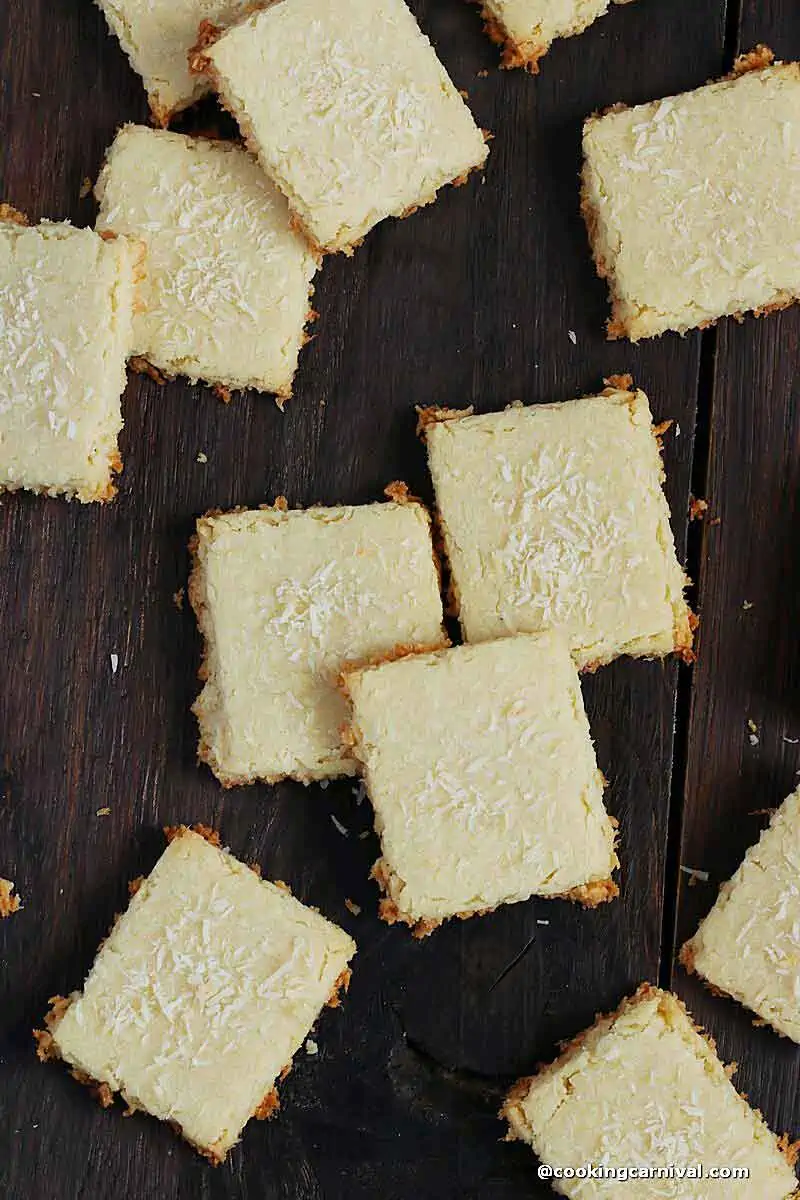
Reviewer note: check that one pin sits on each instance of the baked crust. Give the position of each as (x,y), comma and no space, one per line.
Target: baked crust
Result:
(204,831)
(755,60)
(9,213)
(434,416)
(590,895)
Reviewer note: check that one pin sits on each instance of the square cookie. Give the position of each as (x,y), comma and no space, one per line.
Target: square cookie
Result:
(553,517)
(348,108)
(482,773)
(527,28)
(749,944)
(644,1090)
(157,35)
(690,202)
(284,600)
(67,300)
(228,281)
(201,994)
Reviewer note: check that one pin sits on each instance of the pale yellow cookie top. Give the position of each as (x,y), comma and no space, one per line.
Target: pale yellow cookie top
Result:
(642,1088)
(349,109)
(749,944)
(284,600)
(202,993)
(227,289)
(531,25)
(157,36)
(691,202)
(554,517)
(66,309)
(481,769)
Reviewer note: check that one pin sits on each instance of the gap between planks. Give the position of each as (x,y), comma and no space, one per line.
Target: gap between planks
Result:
(701,455)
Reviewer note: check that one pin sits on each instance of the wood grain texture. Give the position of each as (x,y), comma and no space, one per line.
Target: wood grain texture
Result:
(469,301)
(748,667)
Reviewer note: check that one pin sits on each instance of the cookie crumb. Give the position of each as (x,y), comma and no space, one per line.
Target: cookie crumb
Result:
(695,875)
(9,903)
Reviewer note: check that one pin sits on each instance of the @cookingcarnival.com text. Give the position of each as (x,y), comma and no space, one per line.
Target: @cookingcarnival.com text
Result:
(624,1173)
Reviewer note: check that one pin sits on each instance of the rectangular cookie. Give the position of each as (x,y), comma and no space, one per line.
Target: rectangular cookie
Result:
(228,282)
(690,202)
(201,994)
(480,767)
(749,944)
(644,1089)
(67,299)
(527,28)
(553,516)
(157,35)
(349,110)
(284,599)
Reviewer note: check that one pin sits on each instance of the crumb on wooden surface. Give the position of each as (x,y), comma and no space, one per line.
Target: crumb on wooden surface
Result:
(696,875)
(9,903)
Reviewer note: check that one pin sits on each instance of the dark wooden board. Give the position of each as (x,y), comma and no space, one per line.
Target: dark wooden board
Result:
(469,301)
(748,667)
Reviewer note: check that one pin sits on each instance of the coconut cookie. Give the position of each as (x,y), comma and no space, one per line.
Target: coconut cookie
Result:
(644,1090)
(348,108)
(67,299)
(284,600)
(226,297)
(692,203)
(482,773)
(554,517)
(527,28)
(749,944)
(201,994)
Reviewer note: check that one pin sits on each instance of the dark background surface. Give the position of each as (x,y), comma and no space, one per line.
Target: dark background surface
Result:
(467,302)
